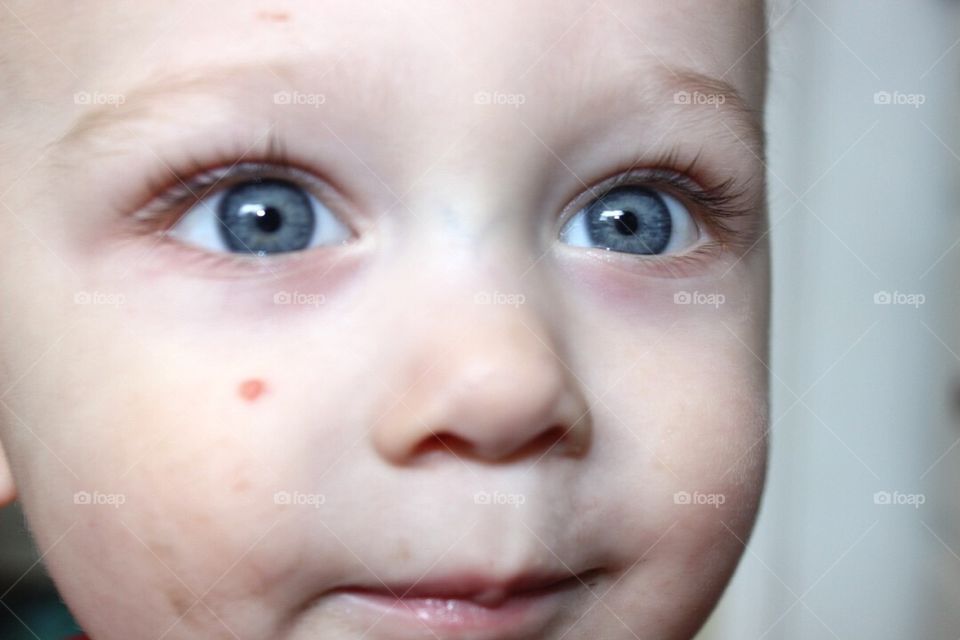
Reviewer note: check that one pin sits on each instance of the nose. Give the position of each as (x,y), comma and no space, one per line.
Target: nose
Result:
(496,392)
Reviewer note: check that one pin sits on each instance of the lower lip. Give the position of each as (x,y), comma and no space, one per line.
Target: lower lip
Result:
(521,613)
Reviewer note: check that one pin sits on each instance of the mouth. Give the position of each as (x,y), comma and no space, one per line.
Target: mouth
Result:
(467,602)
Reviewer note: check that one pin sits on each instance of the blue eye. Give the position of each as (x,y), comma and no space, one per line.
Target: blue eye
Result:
(633,219)
(262,216)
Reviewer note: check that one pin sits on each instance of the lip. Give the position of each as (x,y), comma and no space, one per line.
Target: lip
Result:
(466,603)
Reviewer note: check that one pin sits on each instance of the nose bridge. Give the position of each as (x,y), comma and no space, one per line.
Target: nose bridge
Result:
(488,378)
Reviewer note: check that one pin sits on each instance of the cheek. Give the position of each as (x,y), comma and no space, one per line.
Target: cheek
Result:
(198,520)
(196,449)
(682,437)
(682,422)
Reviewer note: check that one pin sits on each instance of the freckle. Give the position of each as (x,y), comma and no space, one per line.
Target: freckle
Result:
(179,602)
(403,550)
(240,485)
(251,389)
(273,16)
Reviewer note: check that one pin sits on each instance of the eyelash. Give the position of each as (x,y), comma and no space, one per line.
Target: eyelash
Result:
(197,179)
(716,205)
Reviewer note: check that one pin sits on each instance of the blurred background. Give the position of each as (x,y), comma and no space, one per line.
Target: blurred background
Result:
(31,609)
(859,533)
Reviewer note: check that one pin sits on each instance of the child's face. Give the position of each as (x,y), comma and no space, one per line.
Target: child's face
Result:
(436,374)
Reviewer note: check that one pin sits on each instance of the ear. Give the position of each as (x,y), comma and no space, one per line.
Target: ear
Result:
(8,492)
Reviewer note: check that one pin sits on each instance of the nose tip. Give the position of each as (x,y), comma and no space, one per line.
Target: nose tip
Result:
(487,409)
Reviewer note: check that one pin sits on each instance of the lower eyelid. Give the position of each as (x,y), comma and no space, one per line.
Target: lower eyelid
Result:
(248,268)
(703,259)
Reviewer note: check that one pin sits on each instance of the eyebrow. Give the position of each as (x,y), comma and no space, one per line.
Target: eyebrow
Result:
(658,85)
(713,101)
(694,83)
(142,102)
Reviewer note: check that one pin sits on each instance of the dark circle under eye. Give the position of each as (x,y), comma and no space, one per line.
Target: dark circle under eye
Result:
(630,219)
(266,216)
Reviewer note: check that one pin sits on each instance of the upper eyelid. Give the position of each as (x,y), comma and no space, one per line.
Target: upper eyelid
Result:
(171,203)
(721,201)
(275,156)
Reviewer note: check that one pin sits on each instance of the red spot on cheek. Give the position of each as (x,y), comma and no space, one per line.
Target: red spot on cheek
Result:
(251,389)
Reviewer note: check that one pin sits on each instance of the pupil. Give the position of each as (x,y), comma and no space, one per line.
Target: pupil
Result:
(627,223)
(268,220)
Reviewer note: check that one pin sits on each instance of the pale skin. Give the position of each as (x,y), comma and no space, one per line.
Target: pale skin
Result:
(144,369)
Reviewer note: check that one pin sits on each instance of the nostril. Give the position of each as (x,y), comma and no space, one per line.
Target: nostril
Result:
(443,442)
(549,438)
(558,439)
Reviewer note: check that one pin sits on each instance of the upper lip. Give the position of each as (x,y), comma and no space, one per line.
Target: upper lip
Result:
(477,587)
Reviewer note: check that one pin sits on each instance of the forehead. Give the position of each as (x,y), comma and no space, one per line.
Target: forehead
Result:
(399,79)
(413,43)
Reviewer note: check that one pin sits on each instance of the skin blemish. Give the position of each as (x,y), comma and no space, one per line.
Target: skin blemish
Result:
(251,389)
(273,16)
